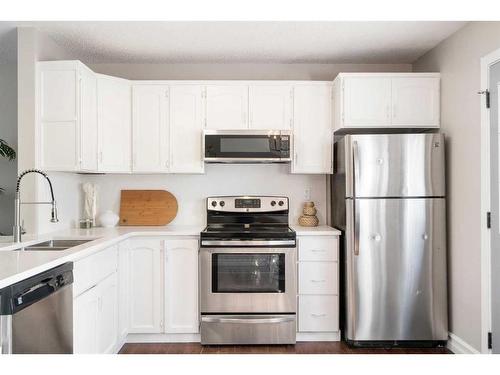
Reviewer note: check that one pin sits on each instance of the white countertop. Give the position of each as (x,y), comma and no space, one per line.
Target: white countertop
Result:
(18,265)
(320,230)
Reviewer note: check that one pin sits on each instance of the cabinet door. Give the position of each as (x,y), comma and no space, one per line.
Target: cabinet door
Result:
(114,124)
(227,107)
(181,286)
(367,101)
(85,309)
(270,107)
(123,289)
(312,129)
(149,128)
(415,102)
(88,121)
(186,128)
(146,303)
(58,108)
(107,315)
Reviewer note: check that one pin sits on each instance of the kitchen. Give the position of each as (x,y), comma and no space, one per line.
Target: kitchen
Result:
(220,206)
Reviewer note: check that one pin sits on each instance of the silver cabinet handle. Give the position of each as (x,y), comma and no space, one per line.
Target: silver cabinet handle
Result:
(209,319)
(318,281)
(317,315)
(318,250)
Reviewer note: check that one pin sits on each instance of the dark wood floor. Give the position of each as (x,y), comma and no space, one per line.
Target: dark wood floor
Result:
(299,348)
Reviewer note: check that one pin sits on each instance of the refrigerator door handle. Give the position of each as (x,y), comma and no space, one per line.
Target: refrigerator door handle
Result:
(355,171)
(356,228)
(355,166)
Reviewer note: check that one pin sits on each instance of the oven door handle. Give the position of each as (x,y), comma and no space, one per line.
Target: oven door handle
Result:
(253,320)
(248,243)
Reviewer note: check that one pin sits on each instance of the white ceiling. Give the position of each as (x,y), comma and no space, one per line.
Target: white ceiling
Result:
(242,42)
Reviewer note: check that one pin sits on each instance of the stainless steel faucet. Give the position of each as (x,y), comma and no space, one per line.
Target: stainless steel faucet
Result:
(17,213)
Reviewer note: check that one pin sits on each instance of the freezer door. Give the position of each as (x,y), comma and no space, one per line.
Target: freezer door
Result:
(394,165)
(396,270)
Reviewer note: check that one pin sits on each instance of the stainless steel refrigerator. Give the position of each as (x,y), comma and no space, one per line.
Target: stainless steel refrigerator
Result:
(388,198)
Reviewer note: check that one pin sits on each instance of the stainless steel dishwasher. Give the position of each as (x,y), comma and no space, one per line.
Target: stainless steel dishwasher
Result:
(36,314)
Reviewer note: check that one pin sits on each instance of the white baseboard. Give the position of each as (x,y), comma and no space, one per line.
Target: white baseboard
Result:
(162,337)
(195,337)
(318,336)
(460,346)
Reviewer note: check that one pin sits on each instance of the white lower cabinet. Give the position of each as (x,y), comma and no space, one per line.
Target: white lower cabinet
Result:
(318,313)
(95,304)
(181,286)
(318,284)
(85,323)
(95,318)
(145,286)
(123,289)
(107,314)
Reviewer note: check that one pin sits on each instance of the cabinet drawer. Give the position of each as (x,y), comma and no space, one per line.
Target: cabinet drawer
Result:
(318,314)
(89,271)
(318,278)
(319,248)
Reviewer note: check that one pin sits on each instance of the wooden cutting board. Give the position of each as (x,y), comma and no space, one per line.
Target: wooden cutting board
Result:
(147,207)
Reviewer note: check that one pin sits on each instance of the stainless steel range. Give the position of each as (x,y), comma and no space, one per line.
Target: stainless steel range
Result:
(247,272)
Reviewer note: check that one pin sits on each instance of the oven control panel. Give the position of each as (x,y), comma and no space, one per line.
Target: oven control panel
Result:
(247,203)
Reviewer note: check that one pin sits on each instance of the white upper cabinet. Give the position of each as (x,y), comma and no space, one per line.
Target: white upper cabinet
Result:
(415,102)
(186,128)
(226,107)
(146,286)
(88,121)
(270,107)
(150,128)
(66,116)
(367,101)
(181,286)
(381,100)
(114,101)
(312,129)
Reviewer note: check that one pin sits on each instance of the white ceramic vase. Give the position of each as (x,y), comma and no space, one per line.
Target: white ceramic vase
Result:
(108,219)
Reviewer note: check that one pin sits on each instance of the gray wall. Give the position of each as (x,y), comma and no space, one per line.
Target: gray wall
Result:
(316,72)
(8,132)
(458,60)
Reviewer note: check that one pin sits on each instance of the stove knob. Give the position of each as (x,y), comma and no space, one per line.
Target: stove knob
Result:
(281,203)
(273,203)
(222,203)
(214,203)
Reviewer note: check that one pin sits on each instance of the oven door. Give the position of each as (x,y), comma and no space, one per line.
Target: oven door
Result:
(247,280)
(247,146)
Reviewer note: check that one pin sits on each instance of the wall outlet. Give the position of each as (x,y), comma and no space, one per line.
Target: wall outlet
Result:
(307,194)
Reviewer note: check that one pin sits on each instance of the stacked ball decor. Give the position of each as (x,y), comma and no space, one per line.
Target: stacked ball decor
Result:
(309,218)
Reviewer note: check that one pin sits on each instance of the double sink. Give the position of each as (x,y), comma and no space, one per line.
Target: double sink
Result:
(55,245)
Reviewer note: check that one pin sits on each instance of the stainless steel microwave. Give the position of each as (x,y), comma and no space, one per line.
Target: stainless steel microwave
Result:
(247,146)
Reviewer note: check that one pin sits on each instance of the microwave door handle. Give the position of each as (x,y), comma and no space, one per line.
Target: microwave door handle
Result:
(277,142)
(272,143)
